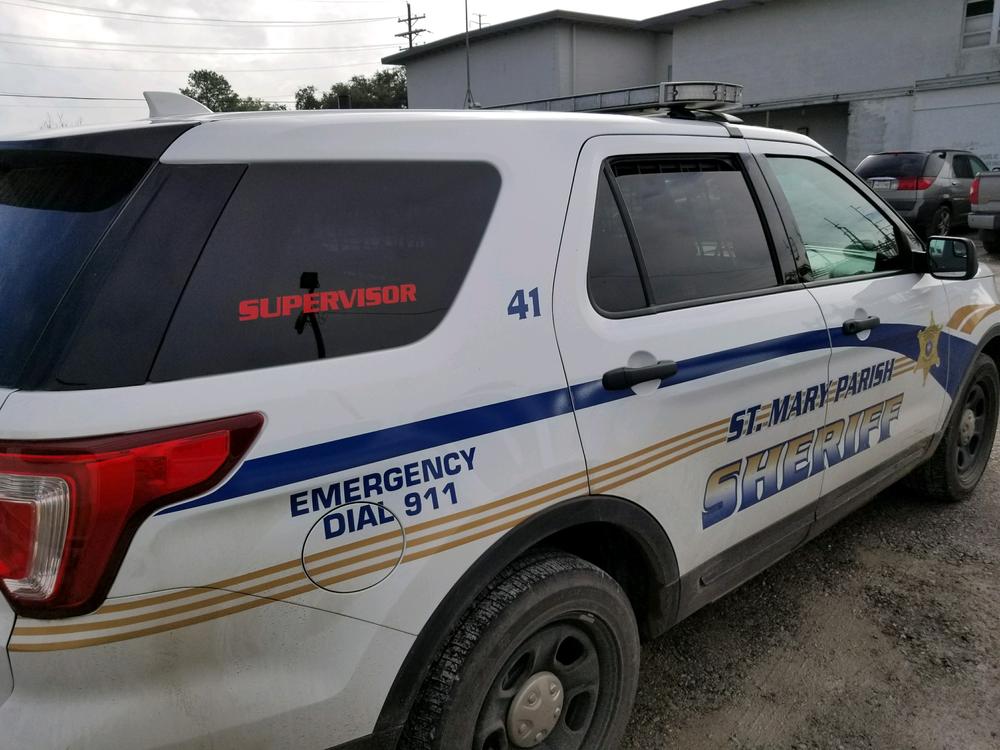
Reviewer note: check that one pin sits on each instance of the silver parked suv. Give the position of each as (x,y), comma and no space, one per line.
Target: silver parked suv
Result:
(929,188)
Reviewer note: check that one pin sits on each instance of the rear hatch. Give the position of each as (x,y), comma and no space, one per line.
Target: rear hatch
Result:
(899,177)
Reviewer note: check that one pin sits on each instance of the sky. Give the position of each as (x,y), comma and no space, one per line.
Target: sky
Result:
(35,60)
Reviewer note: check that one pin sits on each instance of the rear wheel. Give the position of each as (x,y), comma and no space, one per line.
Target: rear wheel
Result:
(940,223)
(547,658)
(991,240)
(961,458)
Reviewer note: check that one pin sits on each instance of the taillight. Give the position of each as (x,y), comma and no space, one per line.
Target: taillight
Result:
(974,191)
(69,508)
(914,183)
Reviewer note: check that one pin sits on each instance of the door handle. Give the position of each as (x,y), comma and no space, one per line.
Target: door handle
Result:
(626,377)
(856,326)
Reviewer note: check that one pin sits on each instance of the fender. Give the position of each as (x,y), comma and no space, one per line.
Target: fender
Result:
(551,526)
(990,339)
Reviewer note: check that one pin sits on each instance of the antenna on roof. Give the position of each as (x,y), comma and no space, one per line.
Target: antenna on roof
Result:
(171,104)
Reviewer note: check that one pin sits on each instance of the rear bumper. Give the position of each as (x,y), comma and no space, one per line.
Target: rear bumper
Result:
(984,221)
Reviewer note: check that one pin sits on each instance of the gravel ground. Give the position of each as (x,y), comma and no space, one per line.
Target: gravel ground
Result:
(881,633)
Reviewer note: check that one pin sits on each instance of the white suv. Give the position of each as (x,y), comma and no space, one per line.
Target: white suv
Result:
(377,430)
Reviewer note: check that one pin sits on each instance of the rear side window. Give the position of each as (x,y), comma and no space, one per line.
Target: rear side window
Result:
(612,274)
(310,261)
(963,168)
(697,227)
(54,208)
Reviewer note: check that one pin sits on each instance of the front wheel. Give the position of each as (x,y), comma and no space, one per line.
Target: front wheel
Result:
(958,464)
(547,658)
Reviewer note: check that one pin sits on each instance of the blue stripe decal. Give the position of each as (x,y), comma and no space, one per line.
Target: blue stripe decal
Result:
(593,394)
(289,467)
(296,465)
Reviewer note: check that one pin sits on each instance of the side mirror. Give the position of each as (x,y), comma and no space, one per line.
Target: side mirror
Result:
(952,258)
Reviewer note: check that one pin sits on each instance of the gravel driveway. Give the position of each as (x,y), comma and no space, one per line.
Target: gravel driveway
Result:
(882,633)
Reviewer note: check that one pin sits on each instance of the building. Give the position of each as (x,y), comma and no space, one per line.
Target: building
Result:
(857,75)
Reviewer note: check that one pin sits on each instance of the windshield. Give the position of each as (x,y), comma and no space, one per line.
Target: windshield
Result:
(892,165)
(54,207)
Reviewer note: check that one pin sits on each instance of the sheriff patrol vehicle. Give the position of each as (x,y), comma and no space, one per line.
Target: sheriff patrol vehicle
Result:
(400,430)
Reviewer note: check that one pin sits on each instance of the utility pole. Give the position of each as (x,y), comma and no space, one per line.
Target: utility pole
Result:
(470,102)
(409,21)
(479,19)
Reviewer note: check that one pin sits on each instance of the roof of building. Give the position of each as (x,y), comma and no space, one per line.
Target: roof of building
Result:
(664,23)
(668,21)
(497,29)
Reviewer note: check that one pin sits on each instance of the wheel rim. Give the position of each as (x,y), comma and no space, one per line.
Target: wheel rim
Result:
(944,221)
(547,695)
(972,446)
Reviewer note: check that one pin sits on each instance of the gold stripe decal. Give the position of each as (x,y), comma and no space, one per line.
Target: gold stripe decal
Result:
(376,553)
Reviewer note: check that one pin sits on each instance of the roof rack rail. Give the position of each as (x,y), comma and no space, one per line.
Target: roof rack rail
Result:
(163,104)
(687,100)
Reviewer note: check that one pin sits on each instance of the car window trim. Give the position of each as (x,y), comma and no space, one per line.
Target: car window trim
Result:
(795,237)
(744,164)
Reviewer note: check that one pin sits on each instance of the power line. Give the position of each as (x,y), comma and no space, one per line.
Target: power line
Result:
(84,44)
(479,19)
(122,15)
(188,70)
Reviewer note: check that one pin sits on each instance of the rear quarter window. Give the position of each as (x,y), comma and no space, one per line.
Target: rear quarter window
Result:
(54,208)
(313,261)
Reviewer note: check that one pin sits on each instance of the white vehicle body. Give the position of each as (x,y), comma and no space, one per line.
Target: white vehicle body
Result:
(253,615)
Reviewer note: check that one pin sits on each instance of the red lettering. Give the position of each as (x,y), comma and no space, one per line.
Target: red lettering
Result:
(347,302)
(390,294)
(373,295)
(265,308)
(290,302)
(408,292)
(248,310)
(310,303)
(329,301)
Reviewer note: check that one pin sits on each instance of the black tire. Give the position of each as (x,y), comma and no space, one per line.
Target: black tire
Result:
(547,613)
(952,473)
(940,223)
(991,240)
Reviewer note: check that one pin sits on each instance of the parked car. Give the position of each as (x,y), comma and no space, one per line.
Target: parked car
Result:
(367,429)
(930,189)
(985,199)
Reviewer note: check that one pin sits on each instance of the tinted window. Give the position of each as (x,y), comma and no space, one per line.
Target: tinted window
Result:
(894,165)
(961,166)
(322,260)
(54,207)
(612,275)
(843,233)
(977,166)
(697,227)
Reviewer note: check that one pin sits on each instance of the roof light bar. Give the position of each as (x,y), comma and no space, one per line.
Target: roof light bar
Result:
(713,96)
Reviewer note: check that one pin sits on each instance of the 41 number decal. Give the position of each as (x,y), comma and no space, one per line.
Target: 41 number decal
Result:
(519,306)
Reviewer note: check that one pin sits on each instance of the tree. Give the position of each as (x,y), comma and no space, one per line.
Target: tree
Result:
(215,92)
(384,89)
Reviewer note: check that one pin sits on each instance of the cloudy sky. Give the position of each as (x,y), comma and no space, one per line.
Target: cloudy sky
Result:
(118,48)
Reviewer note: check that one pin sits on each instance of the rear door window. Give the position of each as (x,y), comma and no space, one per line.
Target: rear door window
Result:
(54,208)
(311,261)
(697,226)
